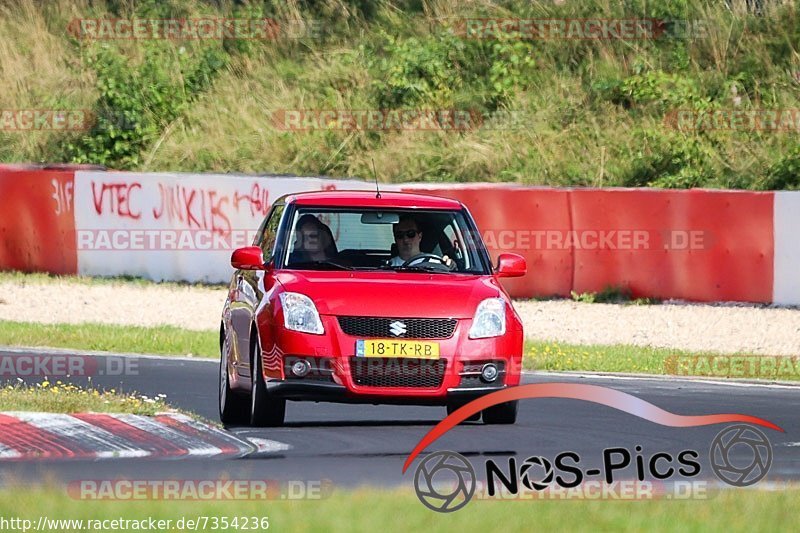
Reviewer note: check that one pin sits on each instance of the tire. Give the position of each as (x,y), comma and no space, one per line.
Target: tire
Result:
(452,407)
(233,407)
(504,413)
(265,411)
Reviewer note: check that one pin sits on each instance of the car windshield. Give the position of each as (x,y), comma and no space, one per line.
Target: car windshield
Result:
(443,242)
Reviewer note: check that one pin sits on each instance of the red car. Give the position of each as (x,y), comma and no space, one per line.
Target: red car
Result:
(369,298)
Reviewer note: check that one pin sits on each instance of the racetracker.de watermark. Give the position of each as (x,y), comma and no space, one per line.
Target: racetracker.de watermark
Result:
(785,120)
(199,489)
(610,239)
(741,366)
(183,29)
(620,29)
(151,240)
(66,365)
(447,120)
(631,489)
(26,120)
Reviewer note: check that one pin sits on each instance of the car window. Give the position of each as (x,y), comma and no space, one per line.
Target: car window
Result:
(455,238)
(326,238)
(350,234)
(268,232)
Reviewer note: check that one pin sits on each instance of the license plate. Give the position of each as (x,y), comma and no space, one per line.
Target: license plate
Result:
(397,348)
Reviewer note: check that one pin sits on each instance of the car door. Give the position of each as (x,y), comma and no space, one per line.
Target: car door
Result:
(248,291)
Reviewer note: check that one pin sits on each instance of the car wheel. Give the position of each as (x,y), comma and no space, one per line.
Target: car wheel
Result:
(504,413)
(233,408)
(265,411)
(452,407)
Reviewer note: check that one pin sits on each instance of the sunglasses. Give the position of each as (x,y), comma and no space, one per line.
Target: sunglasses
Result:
(410,233)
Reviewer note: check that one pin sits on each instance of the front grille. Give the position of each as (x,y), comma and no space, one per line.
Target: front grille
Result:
(397,372)
(415,328)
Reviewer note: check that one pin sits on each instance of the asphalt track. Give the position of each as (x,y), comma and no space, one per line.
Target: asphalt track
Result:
(354,445)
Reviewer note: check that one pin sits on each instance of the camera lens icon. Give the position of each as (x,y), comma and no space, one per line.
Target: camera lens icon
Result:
(444,481)
(527,473)
(740,455)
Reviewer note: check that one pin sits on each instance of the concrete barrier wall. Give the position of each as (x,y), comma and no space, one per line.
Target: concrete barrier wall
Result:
(174,226)
(37,225)
(786,289)
(702,245)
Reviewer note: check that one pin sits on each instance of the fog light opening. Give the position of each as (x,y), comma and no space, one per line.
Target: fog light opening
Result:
(489,372)
(301,368)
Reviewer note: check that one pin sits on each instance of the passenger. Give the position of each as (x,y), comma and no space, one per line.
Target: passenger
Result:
(313,241)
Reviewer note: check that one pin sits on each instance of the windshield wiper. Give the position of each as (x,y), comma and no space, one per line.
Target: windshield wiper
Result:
(321,263)
(417,268)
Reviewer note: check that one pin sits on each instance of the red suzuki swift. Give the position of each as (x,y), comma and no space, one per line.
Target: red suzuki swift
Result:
(372,298)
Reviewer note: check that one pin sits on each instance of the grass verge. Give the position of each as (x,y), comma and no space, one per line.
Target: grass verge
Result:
(44,278)
(624,358)
(371,510)
(539,355)
(556,356)
(164,340)
(61,397)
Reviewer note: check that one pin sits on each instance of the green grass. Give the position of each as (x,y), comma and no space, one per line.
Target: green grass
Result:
(538,355)
(58,397)
(611,295)
(556,356)
(381,510)
(43,278)
(543,355)
(164,340)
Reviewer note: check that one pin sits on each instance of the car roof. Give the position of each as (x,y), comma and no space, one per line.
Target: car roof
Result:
(369,199)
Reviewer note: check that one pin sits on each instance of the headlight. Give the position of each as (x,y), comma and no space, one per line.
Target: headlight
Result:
(489,320)
(300,313)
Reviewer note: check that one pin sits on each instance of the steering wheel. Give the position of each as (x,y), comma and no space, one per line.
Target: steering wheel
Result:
(429,258)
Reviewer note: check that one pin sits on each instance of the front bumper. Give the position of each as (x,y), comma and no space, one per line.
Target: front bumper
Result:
(334,392)
(459,354)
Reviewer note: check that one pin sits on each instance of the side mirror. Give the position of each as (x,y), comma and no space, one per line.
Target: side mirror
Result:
(247,258)
(511,266)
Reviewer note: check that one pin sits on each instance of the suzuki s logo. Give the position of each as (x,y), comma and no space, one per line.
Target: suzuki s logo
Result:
(397,328)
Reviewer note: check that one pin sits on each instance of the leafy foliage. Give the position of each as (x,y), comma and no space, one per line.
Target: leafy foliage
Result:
(589,111)
(138,102)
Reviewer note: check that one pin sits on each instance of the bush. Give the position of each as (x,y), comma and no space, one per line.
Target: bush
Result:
(137,103)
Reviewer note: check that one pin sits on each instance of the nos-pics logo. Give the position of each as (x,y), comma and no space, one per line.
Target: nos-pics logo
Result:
(445,481)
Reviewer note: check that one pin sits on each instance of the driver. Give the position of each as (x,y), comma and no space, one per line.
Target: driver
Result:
(407,236)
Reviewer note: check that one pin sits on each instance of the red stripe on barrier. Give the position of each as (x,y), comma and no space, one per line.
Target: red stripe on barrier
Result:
(514,220)
(37,226)
(32,442)
(147,441)
(701,245)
